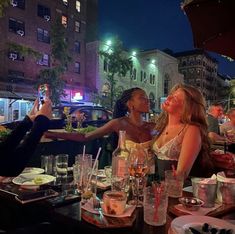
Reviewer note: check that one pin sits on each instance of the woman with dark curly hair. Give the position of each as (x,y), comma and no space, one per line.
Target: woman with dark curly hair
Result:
(127,115)
(183,133)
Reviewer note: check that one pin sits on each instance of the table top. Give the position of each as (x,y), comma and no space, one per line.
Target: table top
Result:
(70,215)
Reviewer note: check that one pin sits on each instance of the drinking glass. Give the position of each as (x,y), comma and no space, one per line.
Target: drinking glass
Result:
(155,204)
(82,165)
(174,183)
(108,173)
(90,182)
(47,163)
(61,164)
(138,168)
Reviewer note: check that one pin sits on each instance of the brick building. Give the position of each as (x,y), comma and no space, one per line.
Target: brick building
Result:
(28,23)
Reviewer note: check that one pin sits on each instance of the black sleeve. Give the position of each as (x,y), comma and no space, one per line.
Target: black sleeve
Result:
(16,135)
(14,159)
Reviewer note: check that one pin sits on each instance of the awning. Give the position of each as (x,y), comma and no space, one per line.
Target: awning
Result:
(13,95)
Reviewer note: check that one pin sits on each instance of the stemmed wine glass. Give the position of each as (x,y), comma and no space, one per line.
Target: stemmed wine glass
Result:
(138,168)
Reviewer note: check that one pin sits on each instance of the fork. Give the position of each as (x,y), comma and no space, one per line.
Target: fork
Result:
(97,207)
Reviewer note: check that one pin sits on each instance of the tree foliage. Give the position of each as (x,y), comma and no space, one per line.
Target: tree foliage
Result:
(24,50)
(51,76)
(59,50)
(60,60)
(118,65)
(3,5)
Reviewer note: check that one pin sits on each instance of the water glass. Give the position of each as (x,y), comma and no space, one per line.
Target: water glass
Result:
(206,191)
(155,204)
(83,164)
(47,163)
(174,184)
(61,163)
(108,173)
(90,181)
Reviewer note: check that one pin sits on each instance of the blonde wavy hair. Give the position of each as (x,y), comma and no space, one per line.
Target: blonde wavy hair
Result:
(193,113)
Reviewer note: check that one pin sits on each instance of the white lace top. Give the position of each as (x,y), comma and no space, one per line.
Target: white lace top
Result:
(171,150)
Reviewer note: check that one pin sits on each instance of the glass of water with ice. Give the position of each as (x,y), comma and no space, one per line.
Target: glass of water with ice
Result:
(61,163)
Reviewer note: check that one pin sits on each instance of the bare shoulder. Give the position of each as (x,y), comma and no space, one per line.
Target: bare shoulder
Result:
(192,129)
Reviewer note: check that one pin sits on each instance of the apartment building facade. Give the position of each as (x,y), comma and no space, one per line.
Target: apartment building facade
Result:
(153,70)
(200,70)
(28,23)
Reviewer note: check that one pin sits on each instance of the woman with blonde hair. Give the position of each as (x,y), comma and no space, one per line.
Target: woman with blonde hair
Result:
(182,134)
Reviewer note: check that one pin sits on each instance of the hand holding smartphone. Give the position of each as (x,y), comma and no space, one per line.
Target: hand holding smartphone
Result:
(43,93)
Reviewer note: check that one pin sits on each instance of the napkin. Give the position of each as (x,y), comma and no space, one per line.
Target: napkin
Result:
(212,180)
(201,211)
(222,178)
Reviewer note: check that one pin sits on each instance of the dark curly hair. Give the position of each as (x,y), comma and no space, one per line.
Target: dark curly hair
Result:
(120,107)
(120,110)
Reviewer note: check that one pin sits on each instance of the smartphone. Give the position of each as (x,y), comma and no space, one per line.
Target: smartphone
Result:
(27,197)
(43,93)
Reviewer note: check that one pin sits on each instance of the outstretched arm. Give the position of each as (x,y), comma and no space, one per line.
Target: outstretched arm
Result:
(74,136)
(15,155)
(191,147)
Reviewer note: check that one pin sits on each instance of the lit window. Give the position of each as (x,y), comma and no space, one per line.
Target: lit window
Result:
(78,6)
(77,67)
(64,21)
(77,26)
(44,61)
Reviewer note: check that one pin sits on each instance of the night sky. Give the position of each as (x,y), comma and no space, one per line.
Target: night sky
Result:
(149,24)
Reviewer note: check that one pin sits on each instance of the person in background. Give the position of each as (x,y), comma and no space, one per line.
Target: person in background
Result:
(229,126)
(215,111)
(182,130)
(19,146)
(127,116)
(227,129)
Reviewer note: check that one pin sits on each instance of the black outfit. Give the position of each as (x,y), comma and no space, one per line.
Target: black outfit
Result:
(15,154)
(213,124)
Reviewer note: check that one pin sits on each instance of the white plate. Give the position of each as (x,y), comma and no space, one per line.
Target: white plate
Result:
(89,207)
(30,179)
(32,170)
(127,212)
(101,173)
(182,224)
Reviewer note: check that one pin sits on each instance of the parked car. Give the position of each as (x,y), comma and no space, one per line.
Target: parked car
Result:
(94,115)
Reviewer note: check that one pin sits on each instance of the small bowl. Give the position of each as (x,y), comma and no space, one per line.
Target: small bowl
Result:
(191,203)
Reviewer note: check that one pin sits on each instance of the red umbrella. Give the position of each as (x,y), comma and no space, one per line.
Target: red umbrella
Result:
(213,25)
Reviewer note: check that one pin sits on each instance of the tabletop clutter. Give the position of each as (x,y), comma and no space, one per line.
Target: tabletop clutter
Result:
(108,193)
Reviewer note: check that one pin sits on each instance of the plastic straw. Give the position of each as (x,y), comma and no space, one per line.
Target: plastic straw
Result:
(83,152)
(82,164)
(93,168)
(157,195)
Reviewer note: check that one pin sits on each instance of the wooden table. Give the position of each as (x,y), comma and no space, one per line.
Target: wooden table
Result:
(68,217)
